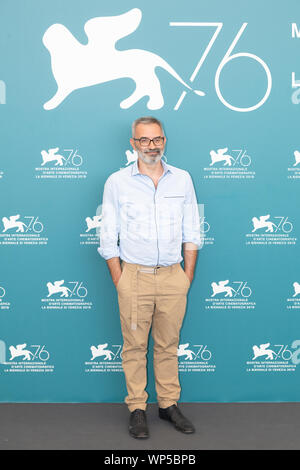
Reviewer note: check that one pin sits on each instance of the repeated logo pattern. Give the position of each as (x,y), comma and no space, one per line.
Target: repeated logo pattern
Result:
(246,291)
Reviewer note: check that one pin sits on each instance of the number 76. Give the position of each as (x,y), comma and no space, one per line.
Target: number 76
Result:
(227,58)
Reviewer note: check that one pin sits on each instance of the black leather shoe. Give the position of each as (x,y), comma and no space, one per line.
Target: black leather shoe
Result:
(138,424)
(173,414)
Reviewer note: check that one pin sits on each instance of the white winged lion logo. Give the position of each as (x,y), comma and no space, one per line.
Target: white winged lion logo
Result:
(75,65)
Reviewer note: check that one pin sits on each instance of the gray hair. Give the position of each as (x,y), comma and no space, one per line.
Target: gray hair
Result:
(146,120)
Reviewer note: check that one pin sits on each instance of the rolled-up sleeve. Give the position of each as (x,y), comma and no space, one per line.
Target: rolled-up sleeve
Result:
(191,220)
(109,230)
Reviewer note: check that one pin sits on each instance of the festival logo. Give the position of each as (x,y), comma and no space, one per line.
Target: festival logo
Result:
(195,358)
(25,231)
(131,157)
(60,164)
(94,222)
(92,229)
(69,295)
(274,358)
(24,358)
(225,164)
(76,65)
(270,231)
(104,358)
(230,295)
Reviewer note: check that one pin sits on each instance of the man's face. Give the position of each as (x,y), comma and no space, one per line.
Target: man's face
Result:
(149,154)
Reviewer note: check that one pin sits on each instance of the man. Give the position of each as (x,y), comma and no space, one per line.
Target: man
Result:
(150,207)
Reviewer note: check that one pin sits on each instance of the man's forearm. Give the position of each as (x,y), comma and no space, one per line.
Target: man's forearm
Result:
(114,267)
(190,253)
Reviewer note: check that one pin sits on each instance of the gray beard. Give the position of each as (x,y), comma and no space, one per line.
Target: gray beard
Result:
(150,160)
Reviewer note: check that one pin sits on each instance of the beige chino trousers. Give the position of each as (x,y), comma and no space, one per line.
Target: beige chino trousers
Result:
(151,296)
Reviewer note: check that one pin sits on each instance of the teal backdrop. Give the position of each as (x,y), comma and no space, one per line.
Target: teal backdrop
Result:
(60,337)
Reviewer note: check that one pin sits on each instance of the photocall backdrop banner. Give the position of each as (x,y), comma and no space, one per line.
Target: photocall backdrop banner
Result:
(224,78)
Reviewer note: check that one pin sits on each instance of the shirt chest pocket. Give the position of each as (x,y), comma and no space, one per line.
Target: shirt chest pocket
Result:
(173,201)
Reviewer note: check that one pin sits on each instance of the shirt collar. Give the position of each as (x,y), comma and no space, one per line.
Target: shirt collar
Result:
(135,169)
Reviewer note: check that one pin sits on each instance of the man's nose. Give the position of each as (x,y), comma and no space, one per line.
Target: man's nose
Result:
(151,143)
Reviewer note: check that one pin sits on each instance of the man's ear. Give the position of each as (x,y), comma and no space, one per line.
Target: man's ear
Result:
(132,142)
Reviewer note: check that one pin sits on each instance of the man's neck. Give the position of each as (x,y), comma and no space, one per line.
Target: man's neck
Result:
(151,170)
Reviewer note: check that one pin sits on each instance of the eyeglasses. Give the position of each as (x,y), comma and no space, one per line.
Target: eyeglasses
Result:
(145,141)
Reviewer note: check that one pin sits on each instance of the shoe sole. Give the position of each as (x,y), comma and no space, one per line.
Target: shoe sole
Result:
(184,432)
(143,436)
(176,427)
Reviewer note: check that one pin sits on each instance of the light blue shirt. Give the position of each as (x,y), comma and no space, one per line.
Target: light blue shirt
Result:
(147,225)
